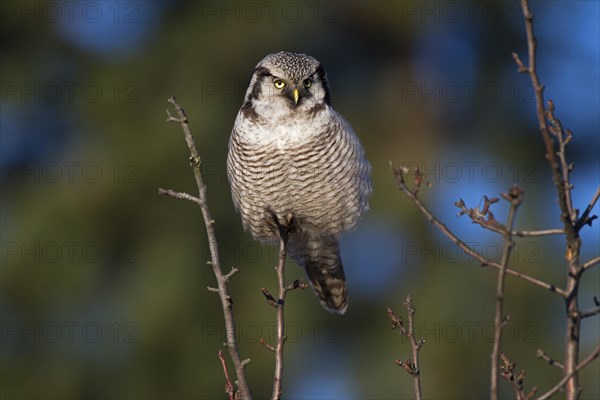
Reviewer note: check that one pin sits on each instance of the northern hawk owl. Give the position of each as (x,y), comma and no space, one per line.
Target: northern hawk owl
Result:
(293,158)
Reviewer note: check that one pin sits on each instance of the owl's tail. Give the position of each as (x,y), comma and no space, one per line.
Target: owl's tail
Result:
(320,257)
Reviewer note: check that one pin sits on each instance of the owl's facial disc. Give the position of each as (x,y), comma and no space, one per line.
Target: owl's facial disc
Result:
(286,83)
(296,94)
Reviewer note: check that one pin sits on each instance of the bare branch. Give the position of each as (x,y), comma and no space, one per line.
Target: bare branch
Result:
(486,219)
(222,290)
(178,195)
(585,218)
(521,68)
(281,338)
(279,305)
(540,109)
(269,297)
(411,366)
(543,355)
(483,217)
(545,232)
(563,138)
(515,197)
(589,313)
(267,345)
(228,385)
(399,176)
(230,274)
(560,176)
(591,263)
(516,380)
(562,186)
(416,346)
(593,355)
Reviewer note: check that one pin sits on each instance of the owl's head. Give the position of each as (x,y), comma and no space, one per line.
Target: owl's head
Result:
(287,81)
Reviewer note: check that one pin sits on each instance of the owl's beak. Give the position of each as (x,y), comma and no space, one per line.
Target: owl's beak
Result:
(296,96)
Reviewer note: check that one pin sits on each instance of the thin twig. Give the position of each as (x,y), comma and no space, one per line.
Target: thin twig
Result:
(399,175)
(544,232)
(228,385)
(591,263)
(584,219)
(178,195)
(589,313)
(269,297)
(515,198)
(551,154)
(281,338)
(230,274)
(416,346)
(539,94)
(279,305)
(555,127)
(483,216)
(222,290)
(411,366)
(593,355)
(485,219)
(560,176)
(267,345)
(516,379)
(542,354)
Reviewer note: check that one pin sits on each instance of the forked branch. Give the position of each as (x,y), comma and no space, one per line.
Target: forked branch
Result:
(593,355)
(411,366)
(399,175)
(551,129)
(516,379)
(222,279)
(279,310)
(279,305)
(515,197)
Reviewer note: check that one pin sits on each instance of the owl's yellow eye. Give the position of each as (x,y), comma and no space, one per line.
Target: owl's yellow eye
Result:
(307,83)
(279,84)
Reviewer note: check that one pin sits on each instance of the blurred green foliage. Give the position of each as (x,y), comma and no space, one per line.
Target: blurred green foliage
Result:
(103,282)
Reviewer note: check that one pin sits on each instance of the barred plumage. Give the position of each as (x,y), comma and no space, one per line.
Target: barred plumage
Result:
(292,156)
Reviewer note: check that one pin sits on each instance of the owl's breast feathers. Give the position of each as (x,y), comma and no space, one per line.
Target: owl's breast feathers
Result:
(311,168)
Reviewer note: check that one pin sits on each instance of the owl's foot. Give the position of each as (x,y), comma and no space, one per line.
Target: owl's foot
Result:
(284,227)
